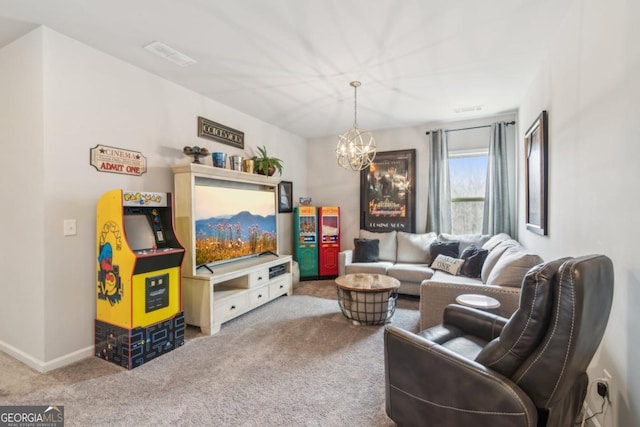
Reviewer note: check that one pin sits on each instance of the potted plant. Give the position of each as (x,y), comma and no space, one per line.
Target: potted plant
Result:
(265,165)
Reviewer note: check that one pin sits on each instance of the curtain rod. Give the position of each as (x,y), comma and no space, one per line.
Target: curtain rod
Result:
(474,127)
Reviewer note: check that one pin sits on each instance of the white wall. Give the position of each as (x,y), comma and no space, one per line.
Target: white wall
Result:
(22,217)
(329,184)
(77,98)
(590,86)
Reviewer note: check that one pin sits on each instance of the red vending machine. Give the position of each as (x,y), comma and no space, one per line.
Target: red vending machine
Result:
(329,231)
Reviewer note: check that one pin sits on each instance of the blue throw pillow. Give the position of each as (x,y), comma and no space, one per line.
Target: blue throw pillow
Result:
(366,250)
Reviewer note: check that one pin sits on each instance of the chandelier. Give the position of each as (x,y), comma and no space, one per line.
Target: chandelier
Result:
(356,147)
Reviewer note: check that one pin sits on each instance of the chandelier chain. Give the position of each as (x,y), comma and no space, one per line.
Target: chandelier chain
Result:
(355,106)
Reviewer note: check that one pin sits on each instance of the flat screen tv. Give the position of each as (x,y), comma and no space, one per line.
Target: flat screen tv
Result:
(233,221)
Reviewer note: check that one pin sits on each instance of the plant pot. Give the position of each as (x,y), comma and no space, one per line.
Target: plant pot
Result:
(271,171)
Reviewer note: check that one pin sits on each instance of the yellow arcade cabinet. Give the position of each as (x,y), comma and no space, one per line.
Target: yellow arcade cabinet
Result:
(138,271)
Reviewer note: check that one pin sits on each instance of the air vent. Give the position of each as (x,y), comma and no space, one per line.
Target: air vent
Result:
(470,109)
(170,54)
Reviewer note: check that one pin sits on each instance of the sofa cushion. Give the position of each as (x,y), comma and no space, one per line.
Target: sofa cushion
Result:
(449,264)
(443,277)
(473,260)
(410,272)
(495,241)
(388,245)
(512,266)
(444,248)
(414,248)
(379,267)
(494,256)
(464,239)
(365,250)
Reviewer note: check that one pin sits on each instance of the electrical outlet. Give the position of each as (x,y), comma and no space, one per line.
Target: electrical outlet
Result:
(603,389)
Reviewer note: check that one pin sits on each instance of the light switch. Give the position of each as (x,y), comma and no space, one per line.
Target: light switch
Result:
(69,227)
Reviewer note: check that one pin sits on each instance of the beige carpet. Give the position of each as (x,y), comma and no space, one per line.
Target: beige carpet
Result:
(294,361)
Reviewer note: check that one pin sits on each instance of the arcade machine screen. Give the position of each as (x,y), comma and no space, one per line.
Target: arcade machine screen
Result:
(139,232)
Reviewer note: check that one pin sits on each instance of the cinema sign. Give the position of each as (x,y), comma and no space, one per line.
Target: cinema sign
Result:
(117,160)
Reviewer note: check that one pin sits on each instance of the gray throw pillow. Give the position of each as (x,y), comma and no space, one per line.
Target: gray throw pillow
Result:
(473,260)
(444,248)
(365,250)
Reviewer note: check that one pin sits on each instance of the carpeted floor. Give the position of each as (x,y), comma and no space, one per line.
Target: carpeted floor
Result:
(294,361)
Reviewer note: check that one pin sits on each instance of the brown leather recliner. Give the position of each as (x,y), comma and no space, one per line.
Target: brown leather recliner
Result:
(479,369)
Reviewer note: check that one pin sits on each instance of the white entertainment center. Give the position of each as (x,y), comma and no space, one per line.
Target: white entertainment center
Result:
(215,294)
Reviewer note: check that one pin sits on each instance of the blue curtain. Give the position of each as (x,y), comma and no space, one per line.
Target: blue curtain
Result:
(497,207)
(439,205)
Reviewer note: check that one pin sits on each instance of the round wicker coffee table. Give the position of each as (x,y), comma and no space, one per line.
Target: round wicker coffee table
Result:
(367,299)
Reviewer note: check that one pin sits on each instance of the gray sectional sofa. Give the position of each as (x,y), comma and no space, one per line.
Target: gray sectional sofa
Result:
(407,257)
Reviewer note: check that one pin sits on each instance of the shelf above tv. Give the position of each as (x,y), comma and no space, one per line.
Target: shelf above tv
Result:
(226,174)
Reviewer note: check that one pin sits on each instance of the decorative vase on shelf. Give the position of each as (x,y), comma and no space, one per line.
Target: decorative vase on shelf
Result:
(219,159)
(247,166)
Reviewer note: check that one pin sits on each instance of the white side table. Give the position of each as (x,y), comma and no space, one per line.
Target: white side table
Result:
(481,302)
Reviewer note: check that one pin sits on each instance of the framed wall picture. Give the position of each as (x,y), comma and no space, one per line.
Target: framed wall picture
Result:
(387,192)
(285,197)
(535,149)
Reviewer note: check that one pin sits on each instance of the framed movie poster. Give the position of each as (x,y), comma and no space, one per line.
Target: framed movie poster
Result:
(535,148)
(387,192)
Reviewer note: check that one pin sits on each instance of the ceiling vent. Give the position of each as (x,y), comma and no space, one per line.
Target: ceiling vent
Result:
(170,54)
(470,109)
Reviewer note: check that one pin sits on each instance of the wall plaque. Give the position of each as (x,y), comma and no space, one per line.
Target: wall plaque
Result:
(220,133)
(117,160)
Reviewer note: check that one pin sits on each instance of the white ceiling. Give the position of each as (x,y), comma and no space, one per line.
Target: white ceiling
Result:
(289,62)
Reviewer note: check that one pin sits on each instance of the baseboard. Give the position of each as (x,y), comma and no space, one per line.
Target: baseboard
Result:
(42,366)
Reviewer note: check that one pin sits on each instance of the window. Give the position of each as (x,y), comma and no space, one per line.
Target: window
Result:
(468,176)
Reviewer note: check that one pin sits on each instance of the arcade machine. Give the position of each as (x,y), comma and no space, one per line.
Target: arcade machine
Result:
(329,231)
(138,295)
(305,235)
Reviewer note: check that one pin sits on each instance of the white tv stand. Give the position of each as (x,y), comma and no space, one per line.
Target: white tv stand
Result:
(234,288)
(210,299)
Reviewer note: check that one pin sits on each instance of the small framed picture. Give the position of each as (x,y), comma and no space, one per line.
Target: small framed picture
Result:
(285,197)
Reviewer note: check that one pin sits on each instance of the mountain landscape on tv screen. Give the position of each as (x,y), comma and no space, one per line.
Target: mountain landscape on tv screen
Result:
(230,237)
(241,225)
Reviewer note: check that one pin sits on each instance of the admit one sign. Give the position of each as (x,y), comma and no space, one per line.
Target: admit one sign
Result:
(118,160)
